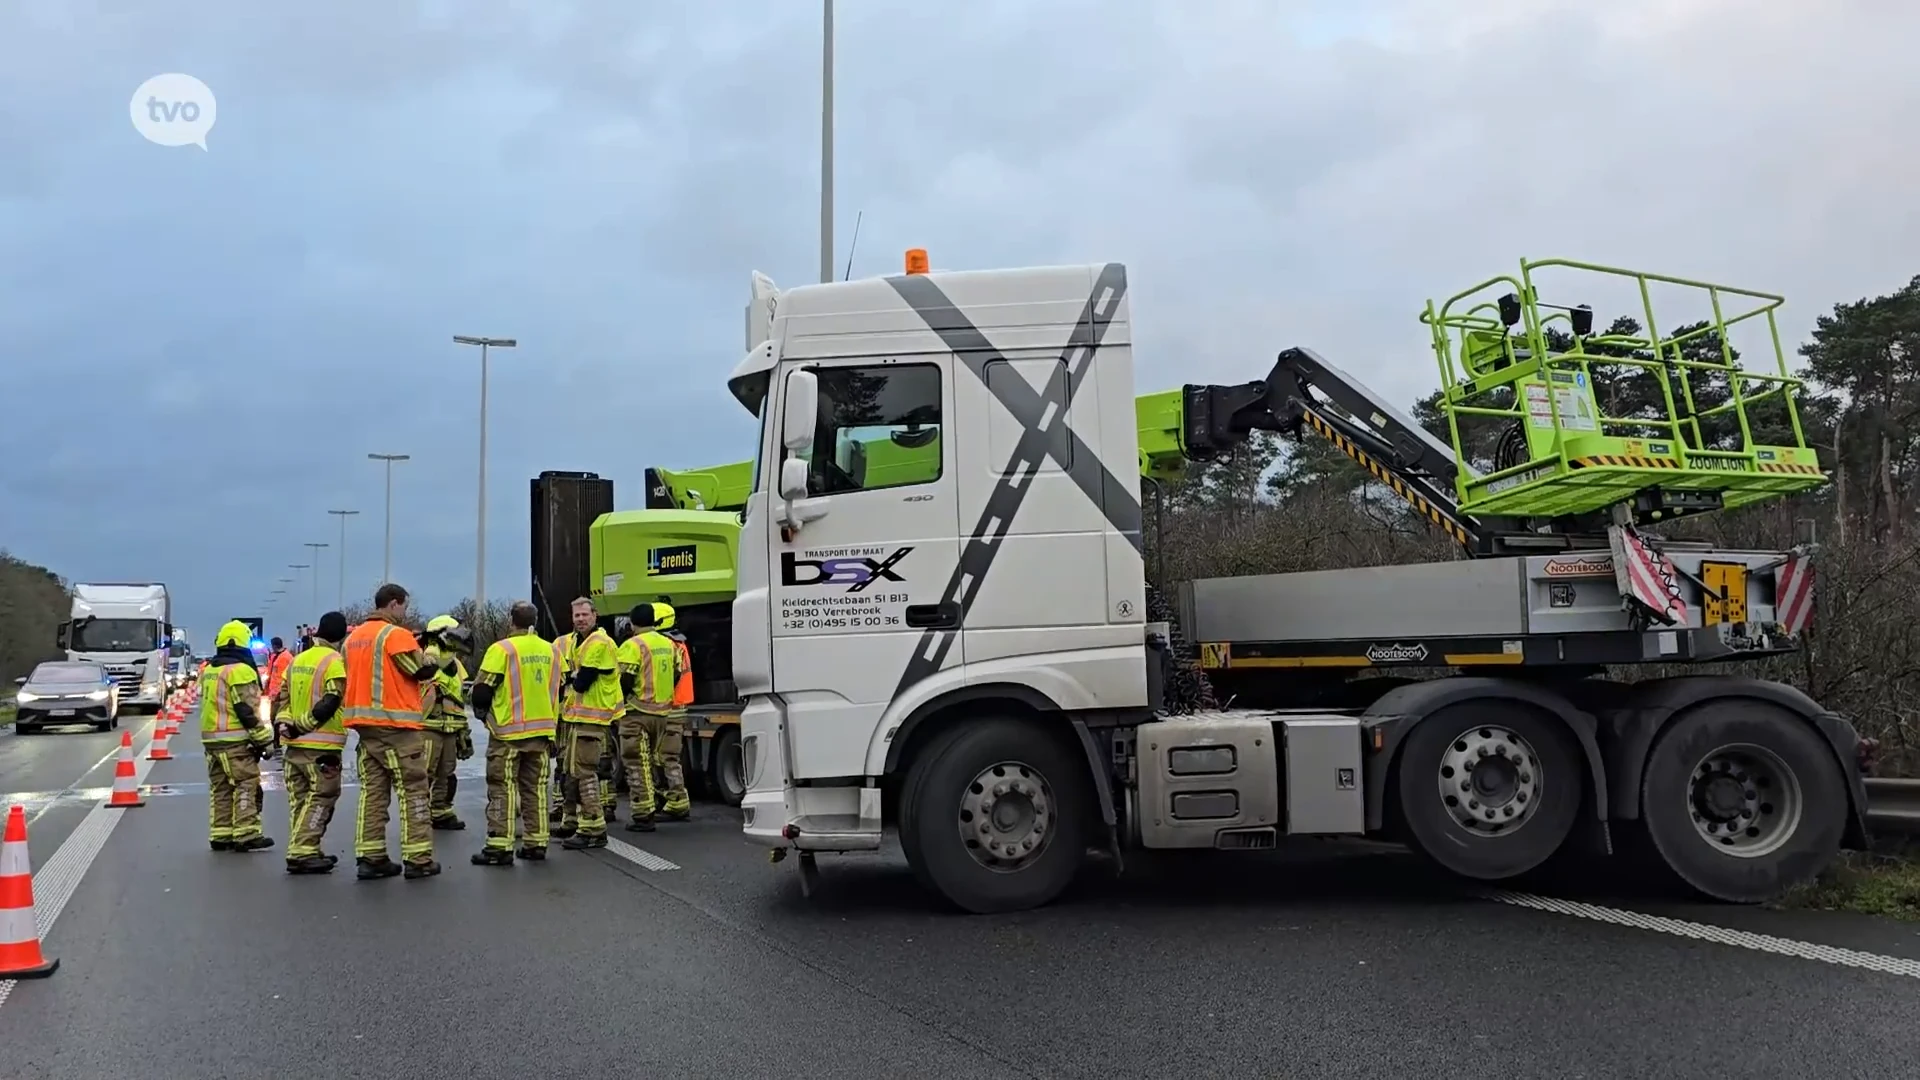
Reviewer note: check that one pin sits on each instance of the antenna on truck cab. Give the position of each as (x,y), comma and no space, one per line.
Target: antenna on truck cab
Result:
(854,246)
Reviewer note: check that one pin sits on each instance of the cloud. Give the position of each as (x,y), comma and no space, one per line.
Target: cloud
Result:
(202,347)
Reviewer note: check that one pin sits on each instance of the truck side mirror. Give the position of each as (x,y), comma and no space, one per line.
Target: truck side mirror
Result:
(802,410)
(60,636)
(793,479)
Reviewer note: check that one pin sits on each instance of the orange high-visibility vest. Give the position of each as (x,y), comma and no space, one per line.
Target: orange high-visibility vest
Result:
(683,684)
(379,694)
(277,670)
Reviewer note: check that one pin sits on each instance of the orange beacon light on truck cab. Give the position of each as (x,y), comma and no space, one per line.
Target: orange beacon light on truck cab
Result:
(916,260)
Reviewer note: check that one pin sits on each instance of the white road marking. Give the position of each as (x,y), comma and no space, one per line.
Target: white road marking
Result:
(637,856)
(1767,943)
(57,878)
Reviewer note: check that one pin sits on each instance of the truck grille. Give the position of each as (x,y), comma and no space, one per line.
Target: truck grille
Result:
(128,680)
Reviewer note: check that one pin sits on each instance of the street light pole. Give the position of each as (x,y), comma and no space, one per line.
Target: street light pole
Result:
(343,515)
(826,141)
(316,577)
(480,534)
(386,565)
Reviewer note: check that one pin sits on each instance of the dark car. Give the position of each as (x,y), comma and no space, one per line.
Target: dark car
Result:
(67,692)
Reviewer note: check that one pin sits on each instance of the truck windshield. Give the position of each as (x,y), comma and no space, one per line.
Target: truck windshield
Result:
(115,635)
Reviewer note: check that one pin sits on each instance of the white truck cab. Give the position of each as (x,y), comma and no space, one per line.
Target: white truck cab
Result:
(126,627)
(1014,569)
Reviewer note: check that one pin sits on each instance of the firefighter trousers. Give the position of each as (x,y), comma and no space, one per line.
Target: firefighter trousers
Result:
(313,790)
(667,732)
(393,764)
(608,769)
(580,755)
(443,756)
(233,792)
(636,757)
(517,791)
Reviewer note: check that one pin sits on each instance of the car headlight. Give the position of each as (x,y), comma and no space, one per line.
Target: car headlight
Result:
(97,695)
(26,696)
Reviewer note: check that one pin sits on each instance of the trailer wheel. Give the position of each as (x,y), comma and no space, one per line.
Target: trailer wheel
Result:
(726,771)
(1741,800)
(993,817)
(1488,790)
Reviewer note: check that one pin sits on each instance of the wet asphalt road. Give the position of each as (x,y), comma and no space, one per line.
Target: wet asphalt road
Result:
(687,955)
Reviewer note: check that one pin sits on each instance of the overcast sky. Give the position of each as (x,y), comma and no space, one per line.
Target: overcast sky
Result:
(201,347)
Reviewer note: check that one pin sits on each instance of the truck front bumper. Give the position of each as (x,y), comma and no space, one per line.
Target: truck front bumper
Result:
(778,813)
(813,819)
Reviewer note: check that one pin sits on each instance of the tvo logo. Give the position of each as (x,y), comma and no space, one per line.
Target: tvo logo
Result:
(855,572)
(173,110)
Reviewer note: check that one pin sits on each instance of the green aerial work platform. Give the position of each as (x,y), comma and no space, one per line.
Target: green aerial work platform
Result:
(1565,457)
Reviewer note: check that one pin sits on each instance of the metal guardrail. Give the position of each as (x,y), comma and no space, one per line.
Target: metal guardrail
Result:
(1893,805)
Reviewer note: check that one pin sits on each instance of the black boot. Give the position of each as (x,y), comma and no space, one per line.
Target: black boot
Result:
(677,815)
(583,841)
(448,823)
(220,845)
(562,831)
(257,843)
(311,864)
(493,857)
(532,854)
(374,869)
(641,823)
(422,869)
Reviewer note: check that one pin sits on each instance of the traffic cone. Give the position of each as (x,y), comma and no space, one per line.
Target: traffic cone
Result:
(20,955)
(158,751)
(126,791)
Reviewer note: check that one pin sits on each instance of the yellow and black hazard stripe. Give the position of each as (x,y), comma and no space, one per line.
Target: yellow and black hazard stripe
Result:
(1254,659)
(1789,467)
(1631,461)
(1425,506)
(1410,652)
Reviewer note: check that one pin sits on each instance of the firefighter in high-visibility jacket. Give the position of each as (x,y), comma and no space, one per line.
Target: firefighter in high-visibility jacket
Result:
(516,694)
(587,714)
(585,618)
(307,712)
(448,738)
(235,739)
(385,670)
(662,692)
(639,682)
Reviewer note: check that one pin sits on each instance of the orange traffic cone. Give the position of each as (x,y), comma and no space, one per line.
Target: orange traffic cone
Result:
(20,956)
(158,751)
(126,791)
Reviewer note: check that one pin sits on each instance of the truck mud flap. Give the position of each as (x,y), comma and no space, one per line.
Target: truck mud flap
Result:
(1097,764)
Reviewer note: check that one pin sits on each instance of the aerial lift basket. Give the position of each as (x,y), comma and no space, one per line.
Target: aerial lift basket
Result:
(1707,432)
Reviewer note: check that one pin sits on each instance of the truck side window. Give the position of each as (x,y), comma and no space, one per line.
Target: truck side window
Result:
(879,427)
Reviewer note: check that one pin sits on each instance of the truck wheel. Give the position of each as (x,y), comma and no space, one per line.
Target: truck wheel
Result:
(726,773)
(1741,800)
(906,821)
(993,816)
(1488,790)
